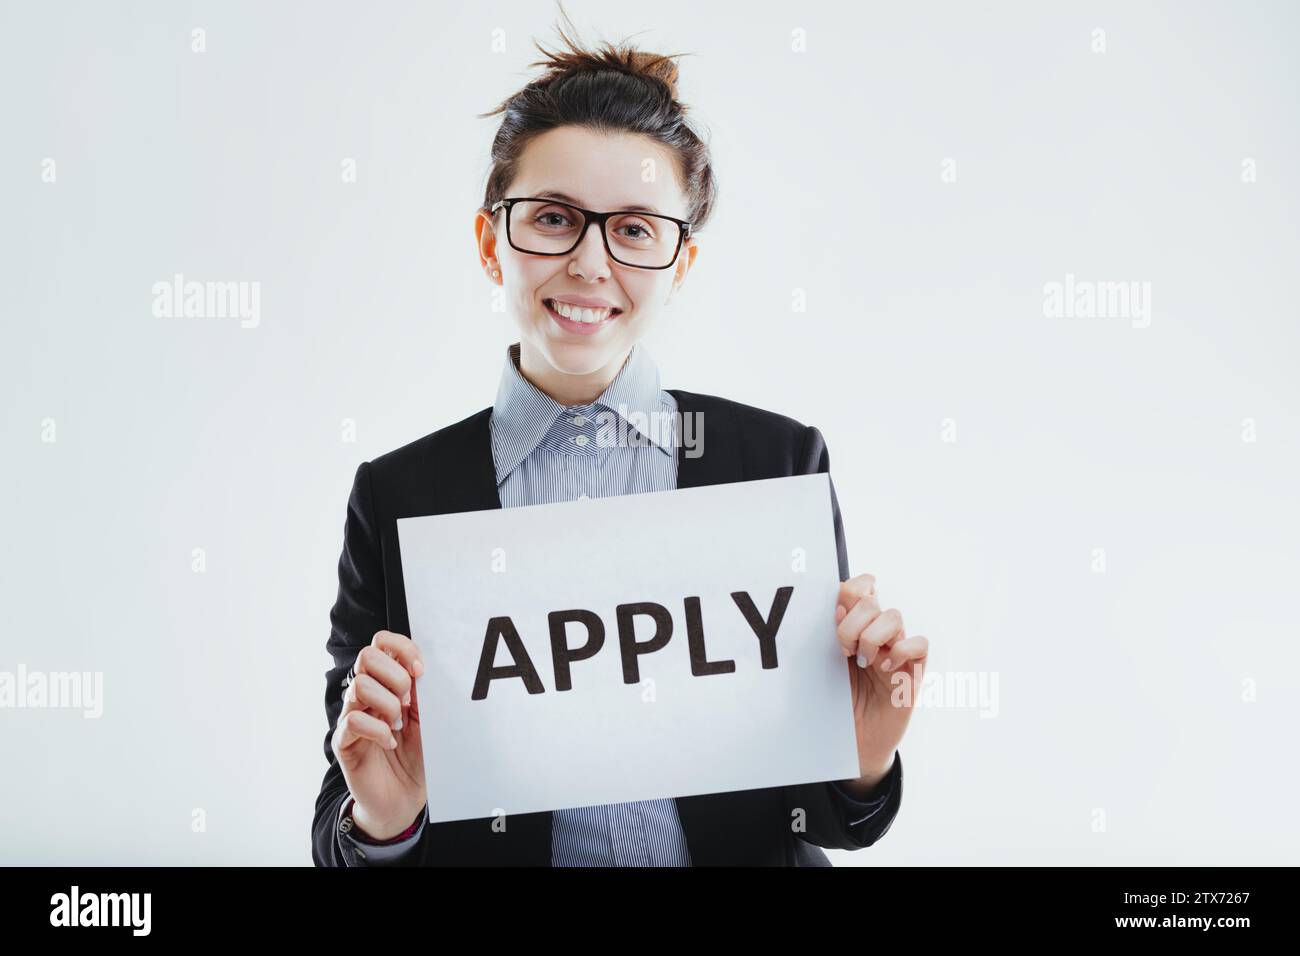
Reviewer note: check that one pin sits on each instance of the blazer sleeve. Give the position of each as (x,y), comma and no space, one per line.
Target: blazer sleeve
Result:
(359,611)
(828,814)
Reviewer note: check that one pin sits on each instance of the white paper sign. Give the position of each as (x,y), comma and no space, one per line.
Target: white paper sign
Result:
(609,562)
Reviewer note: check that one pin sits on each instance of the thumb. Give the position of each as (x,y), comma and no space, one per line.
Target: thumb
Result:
(410,740)
(414,712)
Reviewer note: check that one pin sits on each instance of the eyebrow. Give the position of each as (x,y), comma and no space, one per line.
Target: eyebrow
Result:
(563,197)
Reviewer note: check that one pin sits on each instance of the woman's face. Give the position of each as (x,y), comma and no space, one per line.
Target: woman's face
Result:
(602,172)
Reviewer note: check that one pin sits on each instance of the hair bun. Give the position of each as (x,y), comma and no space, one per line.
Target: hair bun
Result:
(659,68)
(656,66)
(609,88)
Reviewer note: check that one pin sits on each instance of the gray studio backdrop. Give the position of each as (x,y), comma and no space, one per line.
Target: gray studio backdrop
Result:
(1029,267)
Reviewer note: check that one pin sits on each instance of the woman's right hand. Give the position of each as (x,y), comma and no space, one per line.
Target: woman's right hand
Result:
(377,737)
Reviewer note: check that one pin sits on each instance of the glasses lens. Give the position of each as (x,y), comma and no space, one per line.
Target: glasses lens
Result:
(551,228)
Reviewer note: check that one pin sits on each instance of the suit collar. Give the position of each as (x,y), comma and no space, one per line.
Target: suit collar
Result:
(716,432)
(523,414)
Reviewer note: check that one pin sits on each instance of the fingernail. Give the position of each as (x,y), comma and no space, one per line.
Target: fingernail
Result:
(862,661)
(886,664)
(418,668)
(397,724)
(392,742)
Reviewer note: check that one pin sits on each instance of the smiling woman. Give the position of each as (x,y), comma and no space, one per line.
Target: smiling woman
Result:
(590,222)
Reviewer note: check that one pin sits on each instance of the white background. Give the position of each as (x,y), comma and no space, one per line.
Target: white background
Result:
(1120,693)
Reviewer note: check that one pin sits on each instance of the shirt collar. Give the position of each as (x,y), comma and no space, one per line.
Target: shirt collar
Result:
(523,414)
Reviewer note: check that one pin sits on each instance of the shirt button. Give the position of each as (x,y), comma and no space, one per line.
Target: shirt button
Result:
(580,440)
(579,420)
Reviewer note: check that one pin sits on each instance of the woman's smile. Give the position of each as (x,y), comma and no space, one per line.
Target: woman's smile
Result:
(583,321)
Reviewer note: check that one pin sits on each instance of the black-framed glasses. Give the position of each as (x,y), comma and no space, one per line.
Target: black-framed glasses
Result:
(547,227)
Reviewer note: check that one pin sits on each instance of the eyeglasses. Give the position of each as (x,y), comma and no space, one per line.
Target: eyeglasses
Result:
(547,227)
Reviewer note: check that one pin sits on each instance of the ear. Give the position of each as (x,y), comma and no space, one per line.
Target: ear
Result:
(690,249)
(485,237)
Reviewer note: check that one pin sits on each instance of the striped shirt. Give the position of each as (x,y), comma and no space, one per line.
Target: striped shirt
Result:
(622,443)
(546,452)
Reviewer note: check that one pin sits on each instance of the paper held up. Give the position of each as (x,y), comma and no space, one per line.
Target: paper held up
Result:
(627,648)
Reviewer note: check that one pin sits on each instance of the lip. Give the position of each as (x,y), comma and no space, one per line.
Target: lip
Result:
(579,328)
(584,301)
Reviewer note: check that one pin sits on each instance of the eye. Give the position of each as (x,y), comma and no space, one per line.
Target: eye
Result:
(637,230)
(552,218)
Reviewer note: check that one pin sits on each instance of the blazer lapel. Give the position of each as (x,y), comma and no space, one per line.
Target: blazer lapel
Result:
(718,458)
(480,493)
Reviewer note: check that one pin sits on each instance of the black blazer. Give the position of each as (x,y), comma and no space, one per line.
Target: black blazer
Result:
(452,470)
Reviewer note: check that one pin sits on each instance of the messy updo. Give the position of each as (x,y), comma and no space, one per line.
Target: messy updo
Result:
(614,88)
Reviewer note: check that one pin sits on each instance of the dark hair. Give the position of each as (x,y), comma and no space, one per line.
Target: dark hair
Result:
(615,88)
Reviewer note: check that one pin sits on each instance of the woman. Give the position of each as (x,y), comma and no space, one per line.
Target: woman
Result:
(587,249)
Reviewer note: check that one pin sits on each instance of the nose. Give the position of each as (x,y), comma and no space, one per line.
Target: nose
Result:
(590,257)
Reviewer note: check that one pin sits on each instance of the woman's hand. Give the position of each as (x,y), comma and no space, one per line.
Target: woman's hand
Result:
(877,640)
(377,737)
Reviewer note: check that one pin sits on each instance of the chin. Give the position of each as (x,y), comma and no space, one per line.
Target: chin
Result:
(581,358)
(580,354)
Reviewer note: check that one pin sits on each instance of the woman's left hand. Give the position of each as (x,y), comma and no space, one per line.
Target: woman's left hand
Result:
(878,639)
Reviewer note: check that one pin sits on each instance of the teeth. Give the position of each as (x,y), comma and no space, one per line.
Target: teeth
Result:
(575,314)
